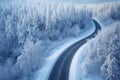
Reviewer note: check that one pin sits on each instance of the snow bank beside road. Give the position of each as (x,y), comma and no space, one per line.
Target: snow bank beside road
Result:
(75,70)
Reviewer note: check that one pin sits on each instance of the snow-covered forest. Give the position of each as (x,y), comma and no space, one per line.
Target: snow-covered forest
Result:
(103,52)
(30,31)
(103,59)
(107,12)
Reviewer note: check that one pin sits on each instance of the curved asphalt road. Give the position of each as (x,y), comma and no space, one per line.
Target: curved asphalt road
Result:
(61,68)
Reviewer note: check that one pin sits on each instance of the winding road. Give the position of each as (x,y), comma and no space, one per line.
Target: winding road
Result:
(61,68)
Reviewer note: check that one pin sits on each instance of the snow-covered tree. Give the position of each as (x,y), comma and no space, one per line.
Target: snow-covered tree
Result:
(103,54)
(111,66)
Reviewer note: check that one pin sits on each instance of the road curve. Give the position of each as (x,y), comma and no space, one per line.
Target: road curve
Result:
(61,68)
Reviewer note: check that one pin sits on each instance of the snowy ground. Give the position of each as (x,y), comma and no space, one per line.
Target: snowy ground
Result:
(44,72)
(75,70)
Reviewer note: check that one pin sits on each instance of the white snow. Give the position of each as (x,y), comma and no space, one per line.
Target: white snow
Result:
(75,72)
(44,72)
(74,69)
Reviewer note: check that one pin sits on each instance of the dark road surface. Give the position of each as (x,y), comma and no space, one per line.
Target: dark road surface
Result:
(61,68)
